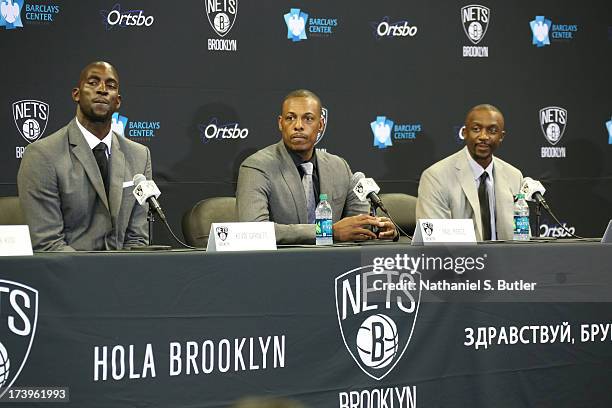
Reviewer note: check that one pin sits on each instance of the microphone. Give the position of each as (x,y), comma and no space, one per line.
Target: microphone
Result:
(534,191)
(147,191)
(366,188)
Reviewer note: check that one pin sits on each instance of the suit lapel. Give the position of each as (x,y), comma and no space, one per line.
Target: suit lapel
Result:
(294,182)
(85,156)
(466,179)
(325,177)
(116,174)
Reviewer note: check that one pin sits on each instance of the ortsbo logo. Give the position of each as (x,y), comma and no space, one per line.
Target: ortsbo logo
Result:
(553,120)
(18,318)
(31,118)
(475,19)
(221,15)
(377,311)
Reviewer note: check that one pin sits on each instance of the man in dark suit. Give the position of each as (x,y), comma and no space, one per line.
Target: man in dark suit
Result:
(271,183)
(75,185)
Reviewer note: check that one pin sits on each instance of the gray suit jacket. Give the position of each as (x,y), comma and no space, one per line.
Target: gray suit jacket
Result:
(447,190)
(63,198)
(270,189)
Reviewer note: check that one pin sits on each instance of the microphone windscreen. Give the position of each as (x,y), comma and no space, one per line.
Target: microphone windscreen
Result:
(138,178)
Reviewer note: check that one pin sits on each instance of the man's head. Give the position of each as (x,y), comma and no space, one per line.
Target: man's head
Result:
(300,121)
(97,93)
(483,132)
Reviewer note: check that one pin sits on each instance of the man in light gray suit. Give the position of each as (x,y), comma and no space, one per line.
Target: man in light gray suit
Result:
(472,183)
(271,183)
(75,185)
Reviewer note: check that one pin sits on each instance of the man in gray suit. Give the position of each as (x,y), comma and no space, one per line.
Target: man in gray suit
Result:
(75,185)
(472,183)
(273,183)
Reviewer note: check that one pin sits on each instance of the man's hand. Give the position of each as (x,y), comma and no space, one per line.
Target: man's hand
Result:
(386,229)
(353,228)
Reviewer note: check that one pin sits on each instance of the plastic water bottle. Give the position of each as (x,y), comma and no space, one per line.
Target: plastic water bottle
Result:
(323,215)
(521,219)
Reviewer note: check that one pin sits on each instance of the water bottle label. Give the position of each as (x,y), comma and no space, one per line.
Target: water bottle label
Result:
(521,225)
(324,228)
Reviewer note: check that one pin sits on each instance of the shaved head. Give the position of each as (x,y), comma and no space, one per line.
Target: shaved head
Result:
(484,106)
(84,71)
(301,93)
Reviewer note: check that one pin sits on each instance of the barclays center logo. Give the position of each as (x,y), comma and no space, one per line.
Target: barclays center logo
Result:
(475,20)
(386,132)
(11,12)
(139,131)
(553,121)
(221,16)
(543,29)
(300,26)
(18,316)
(31,117)
(377,312)
(116,17)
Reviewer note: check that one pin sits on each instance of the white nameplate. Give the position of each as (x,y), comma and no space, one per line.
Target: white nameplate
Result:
(432,232)
(241,236)
(607,238)
(15,240)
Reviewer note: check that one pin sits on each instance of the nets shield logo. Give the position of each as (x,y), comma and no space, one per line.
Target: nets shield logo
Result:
(475,19)
(428,228)
(553,120)
(377,311)
(324,116)
(222,233)
(221,15)
(18,317)
(31,118)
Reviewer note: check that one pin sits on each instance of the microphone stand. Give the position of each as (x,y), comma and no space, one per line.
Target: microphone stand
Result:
(536,233)
(150,221)
(373,210)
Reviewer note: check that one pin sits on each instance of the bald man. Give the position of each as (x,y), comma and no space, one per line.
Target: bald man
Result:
(473,183)
(74,185)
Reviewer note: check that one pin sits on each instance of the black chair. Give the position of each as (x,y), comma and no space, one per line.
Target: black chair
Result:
(196,222)
(402,208)
(10,211)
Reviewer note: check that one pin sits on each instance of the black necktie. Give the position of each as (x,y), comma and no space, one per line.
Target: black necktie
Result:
(485,210)
(100,154)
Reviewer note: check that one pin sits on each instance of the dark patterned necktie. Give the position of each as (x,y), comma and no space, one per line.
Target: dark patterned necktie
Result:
(485,210)
(99,153)
(307,168)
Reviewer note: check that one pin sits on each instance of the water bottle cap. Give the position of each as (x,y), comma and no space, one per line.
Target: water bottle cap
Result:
(520,196)
(322,197)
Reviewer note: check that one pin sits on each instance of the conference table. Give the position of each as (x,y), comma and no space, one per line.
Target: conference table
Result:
(389,325)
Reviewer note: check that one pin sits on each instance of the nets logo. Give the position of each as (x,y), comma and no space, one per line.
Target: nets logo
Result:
(324,118)
(298,23)
(10,13)
(553,120)
(18,317)
(385,131)
(609,127)
(475,20)
(216,130)
(377,311)
(221,17)
(386,29)
(540,28)
(139,131)
(127,18)
(31,117)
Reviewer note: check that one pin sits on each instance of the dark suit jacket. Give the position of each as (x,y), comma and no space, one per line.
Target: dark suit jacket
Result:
(270,189)
(63,197)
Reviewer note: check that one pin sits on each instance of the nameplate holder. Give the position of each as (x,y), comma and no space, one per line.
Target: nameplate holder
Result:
(241,236)
(439,232)
(607,238)
(15,240)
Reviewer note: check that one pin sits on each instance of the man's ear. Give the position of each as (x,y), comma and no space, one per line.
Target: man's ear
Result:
(280,120)
(76,94)
(118,101)
(503,135)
